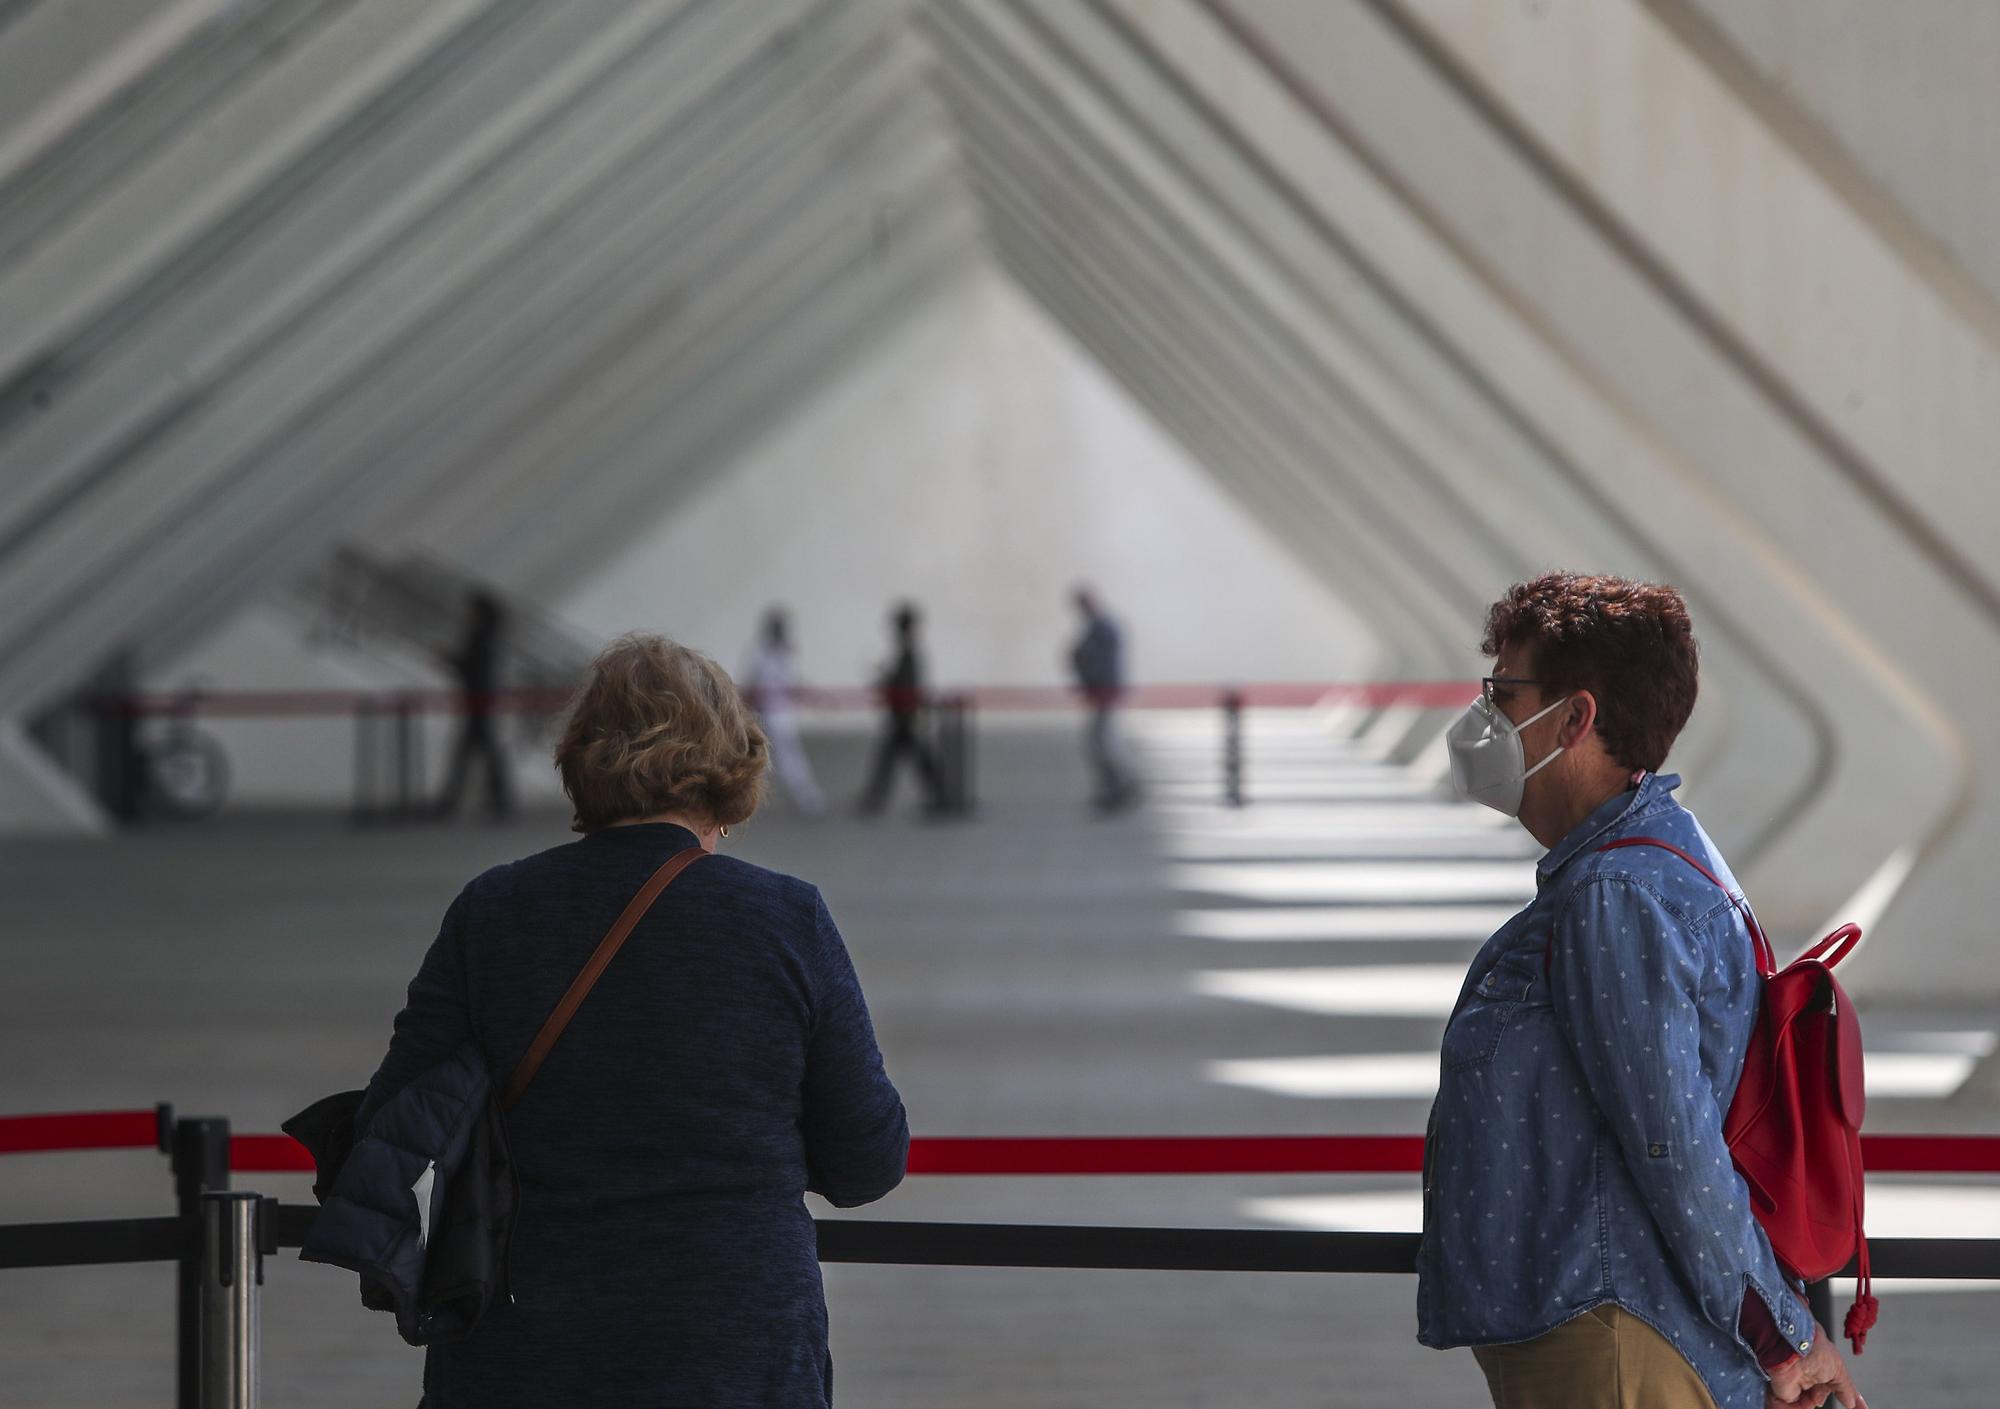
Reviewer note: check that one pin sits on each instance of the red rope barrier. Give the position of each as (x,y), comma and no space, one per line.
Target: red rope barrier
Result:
(1252,1154)
(1930,1154)
(1374,694)
(268,1154)
(1057,1155)
(79,1130)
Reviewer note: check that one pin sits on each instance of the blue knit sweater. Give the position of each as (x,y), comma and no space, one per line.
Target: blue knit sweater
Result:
(723,1065)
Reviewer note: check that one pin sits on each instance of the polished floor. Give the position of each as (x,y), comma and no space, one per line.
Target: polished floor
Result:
(1183,969)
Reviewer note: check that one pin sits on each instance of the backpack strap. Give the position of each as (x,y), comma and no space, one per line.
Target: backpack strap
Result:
(580,987)
(1836,946)
(1862,1315)
(1767,964)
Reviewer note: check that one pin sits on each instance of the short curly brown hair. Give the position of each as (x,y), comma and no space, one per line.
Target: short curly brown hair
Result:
(656,728)
(1629,643)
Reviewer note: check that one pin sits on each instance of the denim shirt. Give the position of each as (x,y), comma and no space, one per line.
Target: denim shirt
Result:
(1576,1154)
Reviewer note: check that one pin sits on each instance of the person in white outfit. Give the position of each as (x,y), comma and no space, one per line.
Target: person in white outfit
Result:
(771,685)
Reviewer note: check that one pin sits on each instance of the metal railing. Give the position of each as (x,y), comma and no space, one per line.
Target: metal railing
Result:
(220,1236)
(390,769)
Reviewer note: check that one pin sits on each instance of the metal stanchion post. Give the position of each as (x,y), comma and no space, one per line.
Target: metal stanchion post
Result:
(965,755)
(365,730)
(232,1268)
(1819,1296)
(1232,748)
(121,783)
(946,755)
(948,746)
(959,747)
(201,1166)
(419,774)
(405,776)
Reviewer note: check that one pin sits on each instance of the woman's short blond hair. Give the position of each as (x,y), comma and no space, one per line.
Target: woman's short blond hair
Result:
(656,728)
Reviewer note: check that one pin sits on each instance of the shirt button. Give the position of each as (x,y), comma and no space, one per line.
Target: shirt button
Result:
(1804,1346)
(1656,1150)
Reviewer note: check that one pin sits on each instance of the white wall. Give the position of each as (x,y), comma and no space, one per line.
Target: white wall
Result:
(978,463)
(1807,415)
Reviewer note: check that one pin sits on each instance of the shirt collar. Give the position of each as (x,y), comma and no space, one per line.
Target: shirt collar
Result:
(649,834)
(1650,789)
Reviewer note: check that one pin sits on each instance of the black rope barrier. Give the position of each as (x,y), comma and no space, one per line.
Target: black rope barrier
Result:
(80,1244)
(1136,1249)
(867,1240)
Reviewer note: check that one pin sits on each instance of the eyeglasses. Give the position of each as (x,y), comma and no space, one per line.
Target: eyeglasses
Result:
(1489,683)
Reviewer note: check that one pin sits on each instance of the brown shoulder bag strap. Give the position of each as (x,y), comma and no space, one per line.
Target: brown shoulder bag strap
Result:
(580,988)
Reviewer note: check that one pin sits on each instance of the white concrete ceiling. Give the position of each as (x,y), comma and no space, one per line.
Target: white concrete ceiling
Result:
(503,279)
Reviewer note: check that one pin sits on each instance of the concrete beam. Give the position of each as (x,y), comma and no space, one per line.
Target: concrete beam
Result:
(1082,200)
(185,487)
(1683,410)
(287,107)
(422,444)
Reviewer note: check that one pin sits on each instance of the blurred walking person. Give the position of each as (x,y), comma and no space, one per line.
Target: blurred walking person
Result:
(901,688)
(1098,662)
(771,685)
(477,666)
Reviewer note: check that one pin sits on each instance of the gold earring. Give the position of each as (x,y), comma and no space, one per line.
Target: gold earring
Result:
(725,831)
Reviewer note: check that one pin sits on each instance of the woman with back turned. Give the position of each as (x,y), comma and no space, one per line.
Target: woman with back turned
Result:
(1584,1230)
(723,1065)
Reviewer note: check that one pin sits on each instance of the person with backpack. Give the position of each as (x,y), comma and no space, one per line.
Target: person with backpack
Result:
(1585,1229)
(715,1063)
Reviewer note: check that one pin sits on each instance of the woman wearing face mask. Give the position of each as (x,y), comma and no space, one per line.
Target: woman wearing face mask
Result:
(1584,1230)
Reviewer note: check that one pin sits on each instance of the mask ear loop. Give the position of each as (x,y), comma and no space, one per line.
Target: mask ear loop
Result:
(1559,749)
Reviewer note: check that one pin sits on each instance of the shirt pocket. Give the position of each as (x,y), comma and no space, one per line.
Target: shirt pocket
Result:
(1473,1036)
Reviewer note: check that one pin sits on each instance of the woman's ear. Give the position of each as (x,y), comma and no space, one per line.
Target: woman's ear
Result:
(1578,719)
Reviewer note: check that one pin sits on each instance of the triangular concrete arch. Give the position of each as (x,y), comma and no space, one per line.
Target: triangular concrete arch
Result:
(496,277)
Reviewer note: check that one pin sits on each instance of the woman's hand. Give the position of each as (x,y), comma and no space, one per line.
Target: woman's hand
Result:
(1813,1378)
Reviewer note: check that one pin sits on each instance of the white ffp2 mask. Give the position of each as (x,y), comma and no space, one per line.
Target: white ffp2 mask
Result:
(1487,762)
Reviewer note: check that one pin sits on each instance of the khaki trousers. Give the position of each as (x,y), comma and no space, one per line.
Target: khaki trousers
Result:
(1606,1358)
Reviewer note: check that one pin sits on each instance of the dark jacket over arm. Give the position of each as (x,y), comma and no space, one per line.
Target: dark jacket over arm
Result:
(723,1064)
(857,1138)
(434,1020)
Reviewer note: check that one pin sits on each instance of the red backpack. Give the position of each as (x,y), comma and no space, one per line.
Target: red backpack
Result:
(1794,1127)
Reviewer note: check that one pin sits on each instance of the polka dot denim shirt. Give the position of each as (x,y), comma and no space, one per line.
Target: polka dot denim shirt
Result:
(1576,1154)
